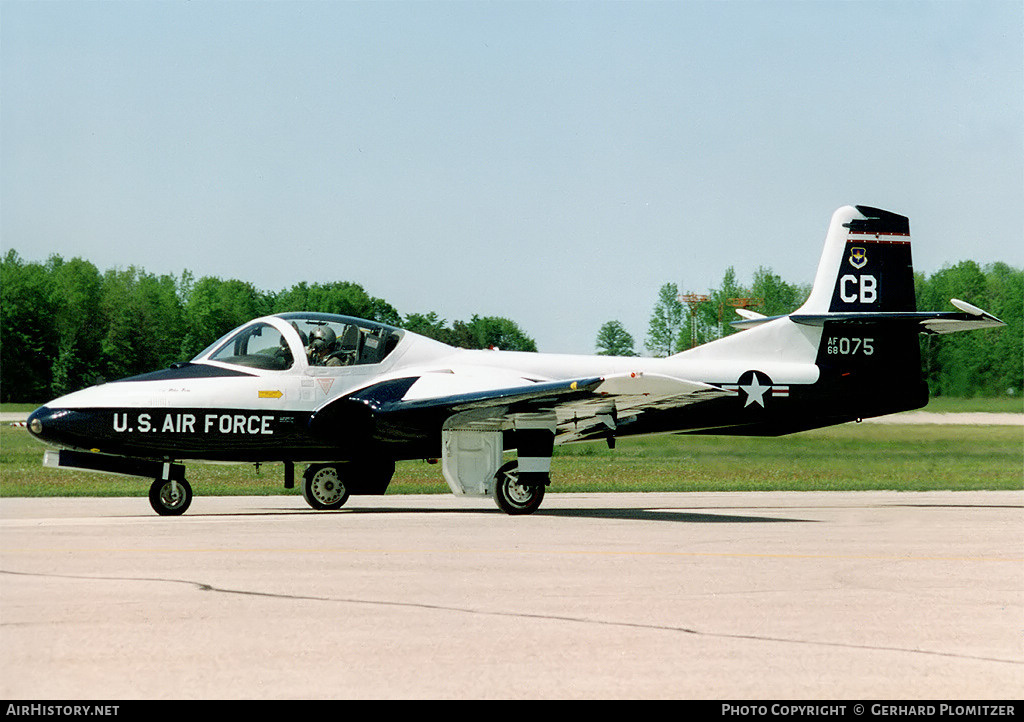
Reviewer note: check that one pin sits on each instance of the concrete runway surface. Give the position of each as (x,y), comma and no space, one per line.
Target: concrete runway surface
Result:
(862,595)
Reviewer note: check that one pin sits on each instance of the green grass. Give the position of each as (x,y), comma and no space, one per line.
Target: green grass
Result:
(848,457)
(954,405)
(11,408)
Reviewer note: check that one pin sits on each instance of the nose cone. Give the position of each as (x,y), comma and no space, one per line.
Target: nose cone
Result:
(36,419)
(63,427)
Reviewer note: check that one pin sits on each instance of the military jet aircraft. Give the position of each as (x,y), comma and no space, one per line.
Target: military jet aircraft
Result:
(350,397)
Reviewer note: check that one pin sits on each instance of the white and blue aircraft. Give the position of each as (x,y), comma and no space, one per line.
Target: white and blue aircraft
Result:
(350,397)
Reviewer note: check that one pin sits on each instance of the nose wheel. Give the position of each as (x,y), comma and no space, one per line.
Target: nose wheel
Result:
(170,498)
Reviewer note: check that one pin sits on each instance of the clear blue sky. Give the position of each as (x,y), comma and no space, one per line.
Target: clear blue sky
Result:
(552,162)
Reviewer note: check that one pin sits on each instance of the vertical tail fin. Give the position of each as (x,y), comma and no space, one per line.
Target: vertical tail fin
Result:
(868,359)
(865,266)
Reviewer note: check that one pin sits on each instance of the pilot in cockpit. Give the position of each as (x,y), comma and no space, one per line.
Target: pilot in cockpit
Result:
(325,349)
(323,342)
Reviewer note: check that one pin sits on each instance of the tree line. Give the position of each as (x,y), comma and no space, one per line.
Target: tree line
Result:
(988,362)
(64,325)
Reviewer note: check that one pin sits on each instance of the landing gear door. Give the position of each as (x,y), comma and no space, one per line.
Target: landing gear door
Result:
(470,458)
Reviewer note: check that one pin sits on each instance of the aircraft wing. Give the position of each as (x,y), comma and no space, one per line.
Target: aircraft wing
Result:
(623,397)
(580,405)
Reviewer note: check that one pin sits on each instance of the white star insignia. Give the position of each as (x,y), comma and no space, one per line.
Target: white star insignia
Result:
(755,393)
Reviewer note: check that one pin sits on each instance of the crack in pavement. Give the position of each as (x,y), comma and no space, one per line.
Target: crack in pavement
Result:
(204,587)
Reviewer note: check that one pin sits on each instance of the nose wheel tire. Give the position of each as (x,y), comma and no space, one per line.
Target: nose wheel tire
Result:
(323,487)
(170,498)
(511,496)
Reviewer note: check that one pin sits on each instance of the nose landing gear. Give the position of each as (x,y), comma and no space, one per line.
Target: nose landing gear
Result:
(170,497)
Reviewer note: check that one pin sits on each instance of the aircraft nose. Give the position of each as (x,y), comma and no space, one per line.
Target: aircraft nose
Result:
(35,421)
(52,425)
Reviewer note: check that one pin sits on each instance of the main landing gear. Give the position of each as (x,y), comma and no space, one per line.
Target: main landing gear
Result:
(328,486)
(323,486)
(472,461)
(511,496)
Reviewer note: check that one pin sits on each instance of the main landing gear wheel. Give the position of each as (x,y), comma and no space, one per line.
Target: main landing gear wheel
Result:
(513,497)
(323,487)
(170,498)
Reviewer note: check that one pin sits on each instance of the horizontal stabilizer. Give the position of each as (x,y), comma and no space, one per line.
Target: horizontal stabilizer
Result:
(970,318)
(752,321)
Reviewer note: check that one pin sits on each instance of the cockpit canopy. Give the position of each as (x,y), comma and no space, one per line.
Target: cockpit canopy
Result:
(319,339)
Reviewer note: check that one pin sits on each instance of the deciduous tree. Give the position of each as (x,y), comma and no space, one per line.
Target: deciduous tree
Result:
(666,322)
(614,340)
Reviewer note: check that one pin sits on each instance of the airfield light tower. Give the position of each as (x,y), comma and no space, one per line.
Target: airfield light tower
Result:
(693,300)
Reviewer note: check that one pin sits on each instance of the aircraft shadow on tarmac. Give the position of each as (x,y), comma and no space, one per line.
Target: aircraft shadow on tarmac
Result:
(667,515)
(662,515)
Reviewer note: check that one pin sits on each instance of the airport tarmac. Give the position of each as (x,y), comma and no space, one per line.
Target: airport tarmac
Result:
(796,595)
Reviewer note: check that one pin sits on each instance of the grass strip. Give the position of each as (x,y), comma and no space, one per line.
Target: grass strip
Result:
(842,458)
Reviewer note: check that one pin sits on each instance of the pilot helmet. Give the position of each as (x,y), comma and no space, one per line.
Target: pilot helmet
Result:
(322,339)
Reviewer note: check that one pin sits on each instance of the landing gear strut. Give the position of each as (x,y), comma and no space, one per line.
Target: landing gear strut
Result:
(513,497)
